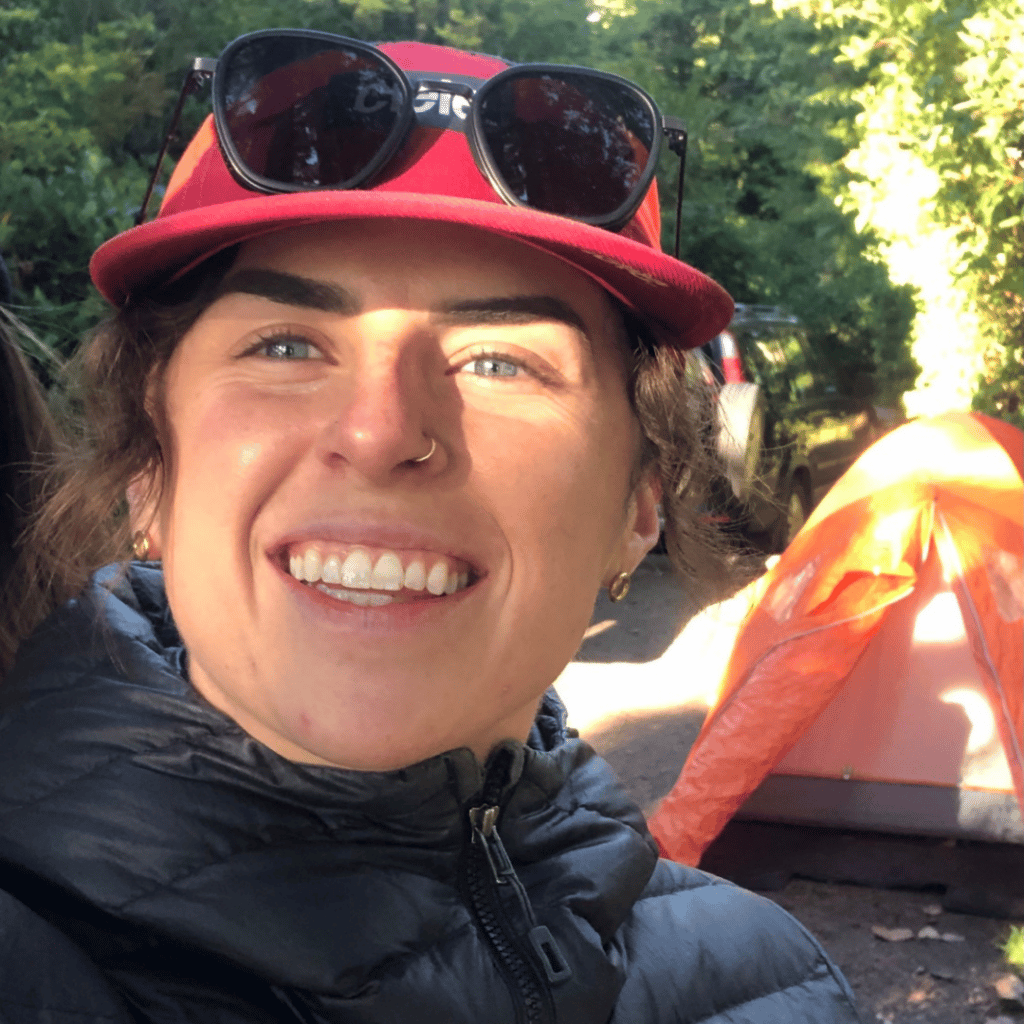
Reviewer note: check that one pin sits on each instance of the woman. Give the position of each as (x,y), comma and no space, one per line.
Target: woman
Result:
(385,441)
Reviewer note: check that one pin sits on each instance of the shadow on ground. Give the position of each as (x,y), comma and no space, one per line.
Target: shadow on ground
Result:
(641,627)
(646,749)
(639,691)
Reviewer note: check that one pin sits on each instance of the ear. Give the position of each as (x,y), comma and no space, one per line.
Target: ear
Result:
(143,511)
(642,528)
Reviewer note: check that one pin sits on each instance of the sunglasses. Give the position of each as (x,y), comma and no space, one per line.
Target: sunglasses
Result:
(298,110)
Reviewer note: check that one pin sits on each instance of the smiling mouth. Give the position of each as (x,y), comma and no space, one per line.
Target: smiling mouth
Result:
(377,577)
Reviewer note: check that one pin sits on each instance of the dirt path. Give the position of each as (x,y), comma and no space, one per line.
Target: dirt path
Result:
(639,691)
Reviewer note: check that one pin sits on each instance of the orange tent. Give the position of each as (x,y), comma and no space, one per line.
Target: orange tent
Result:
(877,679)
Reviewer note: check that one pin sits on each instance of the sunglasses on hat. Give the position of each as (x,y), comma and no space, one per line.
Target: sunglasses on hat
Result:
(299,110)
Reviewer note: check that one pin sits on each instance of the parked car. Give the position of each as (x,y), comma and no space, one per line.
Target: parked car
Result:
(786,431)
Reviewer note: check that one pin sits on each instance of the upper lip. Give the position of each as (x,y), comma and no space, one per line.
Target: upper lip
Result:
(368,531)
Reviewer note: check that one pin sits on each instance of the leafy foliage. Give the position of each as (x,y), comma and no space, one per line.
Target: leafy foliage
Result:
(84,89)
(954,72)
(770,129)
(49,229)
(68,179)
(1013,947)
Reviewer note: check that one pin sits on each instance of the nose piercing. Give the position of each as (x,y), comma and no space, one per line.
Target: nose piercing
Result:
(433,448)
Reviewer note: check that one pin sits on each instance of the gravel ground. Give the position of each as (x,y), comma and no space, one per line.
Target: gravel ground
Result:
(925,981)
(639,691)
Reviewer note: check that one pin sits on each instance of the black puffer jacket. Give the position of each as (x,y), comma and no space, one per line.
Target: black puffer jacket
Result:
(157,864)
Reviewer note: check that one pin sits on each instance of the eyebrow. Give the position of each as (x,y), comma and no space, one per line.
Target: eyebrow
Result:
(290,290)
(308,293)
(515,309)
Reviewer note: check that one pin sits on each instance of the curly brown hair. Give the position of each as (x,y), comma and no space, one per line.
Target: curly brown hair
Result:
(28,441)
(119,375)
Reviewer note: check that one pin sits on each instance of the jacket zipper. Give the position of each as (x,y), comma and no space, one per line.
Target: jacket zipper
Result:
(489,875)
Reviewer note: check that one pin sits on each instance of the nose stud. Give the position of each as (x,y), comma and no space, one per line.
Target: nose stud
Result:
(433,448)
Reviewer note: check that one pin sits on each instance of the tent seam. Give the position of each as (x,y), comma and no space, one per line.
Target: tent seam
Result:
(800,636)
(980,633)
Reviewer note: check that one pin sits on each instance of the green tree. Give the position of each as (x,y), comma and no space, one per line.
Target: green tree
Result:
(770,121)
(67,177)
(85,89)
(954,73)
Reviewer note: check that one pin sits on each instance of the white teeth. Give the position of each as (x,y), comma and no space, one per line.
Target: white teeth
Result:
(358,597)
(312,565)
(387,573)
(358,573)
(437,579)
(415,576)
(356,570)
(331,572)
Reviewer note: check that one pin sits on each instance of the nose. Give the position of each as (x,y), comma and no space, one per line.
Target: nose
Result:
(385,412)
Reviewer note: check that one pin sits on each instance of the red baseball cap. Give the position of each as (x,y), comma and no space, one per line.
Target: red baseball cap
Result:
(433,178)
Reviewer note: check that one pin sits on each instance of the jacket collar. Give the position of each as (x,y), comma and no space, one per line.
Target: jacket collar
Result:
(122,786)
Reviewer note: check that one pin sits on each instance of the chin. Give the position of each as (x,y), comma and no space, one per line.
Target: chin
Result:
(375,742)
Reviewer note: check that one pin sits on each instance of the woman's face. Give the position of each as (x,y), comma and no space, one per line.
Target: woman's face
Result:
(344,603)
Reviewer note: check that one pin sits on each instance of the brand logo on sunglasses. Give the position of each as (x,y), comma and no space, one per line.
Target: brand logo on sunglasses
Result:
(434,108)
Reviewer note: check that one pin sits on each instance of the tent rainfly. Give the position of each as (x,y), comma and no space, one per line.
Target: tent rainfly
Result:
(877,681)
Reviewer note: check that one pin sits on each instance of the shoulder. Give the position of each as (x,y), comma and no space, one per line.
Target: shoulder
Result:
(697,948)
(44,976)
(115,636)
(119,618)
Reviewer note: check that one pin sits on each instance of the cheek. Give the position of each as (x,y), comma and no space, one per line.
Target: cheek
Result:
(559,487)
(225,455)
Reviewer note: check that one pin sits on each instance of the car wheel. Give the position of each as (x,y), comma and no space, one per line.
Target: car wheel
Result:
(797,509)
(740,435)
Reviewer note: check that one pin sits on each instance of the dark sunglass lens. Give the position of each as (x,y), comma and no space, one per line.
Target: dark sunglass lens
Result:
(307,112)
(575,145)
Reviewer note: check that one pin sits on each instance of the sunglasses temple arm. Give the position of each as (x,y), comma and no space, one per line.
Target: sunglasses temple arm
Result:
(202,69)
(675,130)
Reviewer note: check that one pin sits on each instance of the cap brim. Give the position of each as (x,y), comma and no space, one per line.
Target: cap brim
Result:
(684,307)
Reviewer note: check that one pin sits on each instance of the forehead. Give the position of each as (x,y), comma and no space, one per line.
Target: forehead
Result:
(421,265)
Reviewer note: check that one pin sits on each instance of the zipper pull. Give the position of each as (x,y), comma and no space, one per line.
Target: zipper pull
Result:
(483,820)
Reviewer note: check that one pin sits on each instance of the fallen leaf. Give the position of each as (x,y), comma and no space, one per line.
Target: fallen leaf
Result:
(1010,988)
(928,932)
(891,934)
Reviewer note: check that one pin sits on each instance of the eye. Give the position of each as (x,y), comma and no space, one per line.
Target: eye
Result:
(285,347)
(492,364)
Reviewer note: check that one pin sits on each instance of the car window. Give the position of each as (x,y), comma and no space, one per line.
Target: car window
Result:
(778,364)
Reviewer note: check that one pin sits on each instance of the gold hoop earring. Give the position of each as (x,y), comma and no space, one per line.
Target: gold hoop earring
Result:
(140,545)
(619,587)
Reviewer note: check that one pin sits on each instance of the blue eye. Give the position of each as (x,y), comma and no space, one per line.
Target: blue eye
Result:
(492,366)
(288,347)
